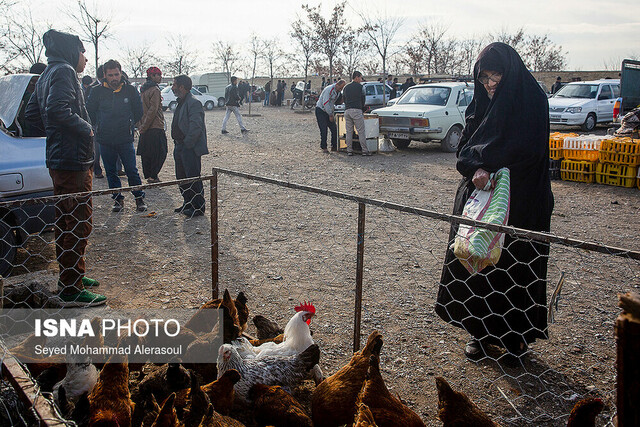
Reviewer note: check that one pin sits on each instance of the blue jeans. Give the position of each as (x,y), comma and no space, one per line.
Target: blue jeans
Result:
(127,154)
(266,98)
(324,123)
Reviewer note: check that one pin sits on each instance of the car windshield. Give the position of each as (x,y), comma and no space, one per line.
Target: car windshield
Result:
(426,95)
(577,91)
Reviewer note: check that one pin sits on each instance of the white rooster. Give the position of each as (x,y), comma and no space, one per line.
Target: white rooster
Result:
(297,338)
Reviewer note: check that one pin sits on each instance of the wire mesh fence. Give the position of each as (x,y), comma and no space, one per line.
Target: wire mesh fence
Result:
(281,243)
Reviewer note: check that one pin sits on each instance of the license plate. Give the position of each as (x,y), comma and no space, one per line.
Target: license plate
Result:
(554,116)
(399,135)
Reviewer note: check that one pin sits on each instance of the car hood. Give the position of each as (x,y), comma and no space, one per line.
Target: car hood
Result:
(409,110)
(567,102)
(12,89)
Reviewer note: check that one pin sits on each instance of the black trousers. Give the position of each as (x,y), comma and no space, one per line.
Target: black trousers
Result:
(323,123)
(152,149)
(188,165)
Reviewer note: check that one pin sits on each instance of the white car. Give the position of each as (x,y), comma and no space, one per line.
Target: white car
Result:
(584,103)
(170,101)
(427,112)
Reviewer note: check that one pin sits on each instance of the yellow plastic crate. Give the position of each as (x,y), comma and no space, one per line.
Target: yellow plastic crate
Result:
(556,140)
(618,175)
(583,148)
(578,171)
(623,151)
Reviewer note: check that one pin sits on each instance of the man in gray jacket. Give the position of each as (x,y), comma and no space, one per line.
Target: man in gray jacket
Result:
(190,137)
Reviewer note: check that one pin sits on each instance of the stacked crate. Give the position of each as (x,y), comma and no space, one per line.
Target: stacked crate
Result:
(619,160)
(581,155)
(556,140)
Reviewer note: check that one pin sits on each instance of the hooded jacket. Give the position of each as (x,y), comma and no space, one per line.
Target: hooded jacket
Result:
(57,105)
(114,113)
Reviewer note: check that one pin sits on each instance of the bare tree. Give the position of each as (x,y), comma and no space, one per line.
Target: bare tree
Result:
(331,33)
(516,40)
(413,56)
(254,49)
(468,51)
(303,35)
(381,29)
(439,50)
(181,59)
(22,38)
(354,49)
(94,25)
(226,56)
(272,54)
(139,59)
(541,54)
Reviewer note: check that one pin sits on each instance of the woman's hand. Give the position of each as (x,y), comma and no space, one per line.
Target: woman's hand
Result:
(481,178)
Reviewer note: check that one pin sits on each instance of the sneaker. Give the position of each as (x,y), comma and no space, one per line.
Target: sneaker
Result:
(366,154)
(349,153)
(244,130)
(118,204)
(122,173)
(141,206)
(90,283)
(153,180)
(224,132)
(83,298)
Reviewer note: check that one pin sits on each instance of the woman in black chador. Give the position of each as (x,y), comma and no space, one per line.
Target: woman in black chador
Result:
(507,125)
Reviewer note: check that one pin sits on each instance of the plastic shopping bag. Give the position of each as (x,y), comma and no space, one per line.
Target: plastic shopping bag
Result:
(476,247)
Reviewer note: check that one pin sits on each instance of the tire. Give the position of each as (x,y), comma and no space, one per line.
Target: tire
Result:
(209,105)
(450,142)
(7,248)
(589,123)
(173,105)
(221,102)
(401,144)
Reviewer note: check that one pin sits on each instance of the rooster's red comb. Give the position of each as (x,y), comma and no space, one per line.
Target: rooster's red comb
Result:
(306,306)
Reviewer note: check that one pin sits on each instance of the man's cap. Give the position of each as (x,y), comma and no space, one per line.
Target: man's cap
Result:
(153,70)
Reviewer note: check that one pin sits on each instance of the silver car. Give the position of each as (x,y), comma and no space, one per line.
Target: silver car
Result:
(23,174)
(374,92)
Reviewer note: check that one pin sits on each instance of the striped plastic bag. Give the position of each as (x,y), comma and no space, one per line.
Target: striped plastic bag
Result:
(475,247)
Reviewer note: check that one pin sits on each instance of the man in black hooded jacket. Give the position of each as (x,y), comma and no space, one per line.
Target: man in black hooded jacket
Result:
(57,106)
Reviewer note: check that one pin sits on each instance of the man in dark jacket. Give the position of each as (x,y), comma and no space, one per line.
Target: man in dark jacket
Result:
(115,107)
(190,138)
(267,92)
(353,95)
(57,105)
(232,101)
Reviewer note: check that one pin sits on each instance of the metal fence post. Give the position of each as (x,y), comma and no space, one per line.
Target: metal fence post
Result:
(214,234)
(357,316)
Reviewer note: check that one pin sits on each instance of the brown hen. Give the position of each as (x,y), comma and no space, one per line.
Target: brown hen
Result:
(334,399)
(364,417)
(110,401)
(220,392)
(584,412)
(274,406)
(167,416)
(457,410)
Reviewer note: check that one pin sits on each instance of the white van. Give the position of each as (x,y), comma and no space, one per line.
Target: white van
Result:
(212,84)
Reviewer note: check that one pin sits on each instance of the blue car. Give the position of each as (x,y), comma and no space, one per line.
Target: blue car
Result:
(23,174)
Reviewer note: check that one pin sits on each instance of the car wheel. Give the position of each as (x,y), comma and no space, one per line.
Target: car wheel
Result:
(401,144)
(221,102)
(173,105)
(209,105)
(589,123)
(7,248)
(450,142)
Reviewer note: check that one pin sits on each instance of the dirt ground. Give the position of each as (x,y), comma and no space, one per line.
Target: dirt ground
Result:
(282,246)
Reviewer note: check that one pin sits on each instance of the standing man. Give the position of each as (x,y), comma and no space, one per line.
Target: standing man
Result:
(115,107)
(152,145)
(267,92)
(57,105)
(232,100)
(190,138)
(557,85)
(324,114)
(280,92)
(353,113)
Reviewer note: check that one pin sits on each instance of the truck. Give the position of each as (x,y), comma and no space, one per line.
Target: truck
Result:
(629,89)
(212,84)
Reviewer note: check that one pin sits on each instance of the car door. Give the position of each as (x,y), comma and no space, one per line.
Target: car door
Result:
(371,95)
(605,102)
(464,99)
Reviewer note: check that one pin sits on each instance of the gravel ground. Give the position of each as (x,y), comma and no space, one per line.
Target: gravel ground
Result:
(282,246)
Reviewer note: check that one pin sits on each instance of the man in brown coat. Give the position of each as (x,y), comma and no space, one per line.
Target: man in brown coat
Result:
(152,146)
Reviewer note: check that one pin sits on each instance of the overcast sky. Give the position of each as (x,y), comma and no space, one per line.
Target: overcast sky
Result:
(594,33)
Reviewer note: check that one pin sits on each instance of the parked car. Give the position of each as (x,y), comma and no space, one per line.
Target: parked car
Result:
(23,175)
(169,100)
(584,104)
(427,112)
(373,94)
(258,93)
